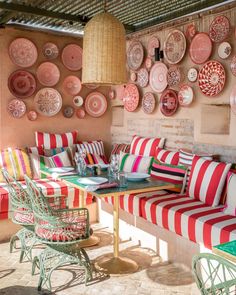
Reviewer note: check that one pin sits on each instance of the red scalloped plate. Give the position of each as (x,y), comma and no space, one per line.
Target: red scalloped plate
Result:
(72,57)
(169,102)
(200,48)
(95,104)
(22,84)
(16,108)
(158,77)
(131,97)
(48,74)
(72,85)
(48,102)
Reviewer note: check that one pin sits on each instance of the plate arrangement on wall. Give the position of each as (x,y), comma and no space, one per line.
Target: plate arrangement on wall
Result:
(169,102)
(95,104)
(72,57)
(16,108)
(200,48)
(135,55)
(131,97)
(48,74)
(175,47)
(48,102)
(50,50)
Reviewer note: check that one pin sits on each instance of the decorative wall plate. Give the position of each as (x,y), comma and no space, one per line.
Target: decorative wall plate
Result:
(192,74)
(112,94)
(148,103)
(158,77)
(68,111)
(78,101)
(173,76)
(191,31)
(95,104)
(185,95)
(233,65)
(135,55)
(142,77)
(72,57)
(200,48)
(131,97)
(148,63)
(91,86)
(50,50)
(224,50)
(72,85)
(233,100)
(16,108)
(219,28)
(32,115)
(23,52)
(168,102)
(211,78)
(48,74)
(153,43)
(80,113)
(22,84)
(174,47)
(133,76)
(48,102)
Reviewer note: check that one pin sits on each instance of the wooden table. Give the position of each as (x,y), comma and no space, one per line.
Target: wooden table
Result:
(226,250)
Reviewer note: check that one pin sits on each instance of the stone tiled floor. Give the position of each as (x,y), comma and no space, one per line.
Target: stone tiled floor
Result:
(153,277)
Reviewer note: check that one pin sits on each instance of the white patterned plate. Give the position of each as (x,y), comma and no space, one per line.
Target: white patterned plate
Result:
(48,102)
(148,103)
(185,95)
(143,77)
(175,47)
(173,76)
(192,74)
(224,50)
(158,77)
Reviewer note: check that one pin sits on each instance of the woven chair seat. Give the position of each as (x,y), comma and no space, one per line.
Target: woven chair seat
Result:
(23,217)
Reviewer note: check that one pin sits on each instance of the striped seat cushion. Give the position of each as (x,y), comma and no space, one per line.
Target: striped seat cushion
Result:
(91,147)
(167,157)
(51,141)
(132,163)
(145,146)
(190,218)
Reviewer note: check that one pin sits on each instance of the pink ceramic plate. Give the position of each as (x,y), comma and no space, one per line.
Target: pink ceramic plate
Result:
(68,111)
(135,55)
(131,97)
(143,77)
(78,101)
(32,115)
(173,76)
(22,84)
(95,104)
(168,102)
(185,95)
(48,74)
(50,50)
(191,31)
(158,77)
(211,78)
(233,65)
(72,85)
(219,28)
(133,76)
(153,43)
(224,50)
(16,108)
(48,102)
(148,103)
(174,47)
(148,63)
(72,57)
(80,113)
(192,74)
(23,52)
(233,100)
(200,48)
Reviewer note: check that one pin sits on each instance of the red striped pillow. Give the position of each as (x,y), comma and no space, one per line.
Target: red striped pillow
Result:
(120,147)
(167,157)
(145,146)
(207,179)
(51,141)
(92,159)
(92,147)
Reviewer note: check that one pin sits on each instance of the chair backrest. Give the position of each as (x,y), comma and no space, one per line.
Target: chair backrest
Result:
(214,274)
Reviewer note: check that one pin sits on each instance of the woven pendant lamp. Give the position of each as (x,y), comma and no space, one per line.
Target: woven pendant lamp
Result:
(104,51)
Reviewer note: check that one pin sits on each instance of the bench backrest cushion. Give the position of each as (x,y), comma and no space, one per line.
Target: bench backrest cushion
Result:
(206,181)
(230,206)
(132,163)
(91,147)
(168,157)
(145,146)
(120,147)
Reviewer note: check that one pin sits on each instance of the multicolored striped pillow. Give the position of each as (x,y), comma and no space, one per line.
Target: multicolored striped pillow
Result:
(34,155)
(91,147)
(16,161)
(92,159)
(132,163)
(59,160)
(168,173)
(120,147)
(51,141)
(207,179)
(167,157)
(145,146)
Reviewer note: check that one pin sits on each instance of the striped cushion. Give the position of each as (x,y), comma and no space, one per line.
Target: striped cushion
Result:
(145,146)
(34,153)
(230,207)
(92,147)
(190,218)
(207,179)
(168,173)
(120,147)
(16,161)
(59,160)
(51,141)
(92,159)
(167,157)
(132,163)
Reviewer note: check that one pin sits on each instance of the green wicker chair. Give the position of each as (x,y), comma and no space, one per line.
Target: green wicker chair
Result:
(61,229)
(214,274)
(22,214)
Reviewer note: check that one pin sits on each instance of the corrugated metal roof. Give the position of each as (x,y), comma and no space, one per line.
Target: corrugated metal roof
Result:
(70,16)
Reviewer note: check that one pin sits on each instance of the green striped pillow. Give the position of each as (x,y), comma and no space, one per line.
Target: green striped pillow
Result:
(132,163)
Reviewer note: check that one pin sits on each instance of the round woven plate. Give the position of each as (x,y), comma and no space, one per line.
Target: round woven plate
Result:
(233,65)
(72,57)
(185,95)
(22,84)
(148,103)
(68,111)
(211,78)
(192,74)
(50,50)
(16,108)
(95,104)
(23,52)
(142,77)
(48,74)
(78,101)
(173,76)
(233,100)
(158,77)
(32,115)
(175,47)
(148,63)
(48,102)
(168,102)
(153,43)
(224,50)
(219,28)
(135,55)
(200,53)
(72,85)
(191,31)
(80,113)
(133,76)
(131,97)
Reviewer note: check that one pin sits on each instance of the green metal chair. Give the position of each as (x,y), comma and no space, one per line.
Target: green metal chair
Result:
(61,229)
(214,274)
(22,214)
